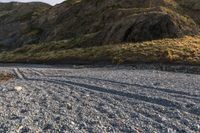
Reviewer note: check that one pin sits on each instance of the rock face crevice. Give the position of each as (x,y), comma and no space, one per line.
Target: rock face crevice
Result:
(108,21)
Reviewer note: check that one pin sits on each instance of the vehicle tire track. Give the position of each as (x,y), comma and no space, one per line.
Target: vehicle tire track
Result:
(96,100)
(80,85)
(169,91)
(45,99)
(145,117)
(159,101)
(19,74)
(36,72)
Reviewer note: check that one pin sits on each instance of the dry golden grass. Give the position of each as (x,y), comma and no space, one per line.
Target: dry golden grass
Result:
(182,51)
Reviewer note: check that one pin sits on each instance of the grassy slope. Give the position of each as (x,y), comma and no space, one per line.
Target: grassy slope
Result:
(184,51)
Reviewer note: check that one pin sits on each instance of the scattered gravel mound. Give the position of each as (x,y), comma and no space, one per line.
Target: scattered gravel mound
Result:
(99,100)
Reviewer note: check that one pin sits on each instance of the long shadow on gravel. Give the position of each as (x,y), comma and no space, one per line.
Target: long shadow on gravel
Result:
(136,85)
(158,101)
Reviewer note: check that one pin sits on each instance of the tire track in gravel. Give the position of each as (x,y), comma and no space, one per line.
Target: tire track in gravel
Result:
(52,94)
(145,117)
(46,100)
(36,72)
(50,86)
(19,74)
(171,91)
(177,93)
(154,117)
(158,101)
(148,116)
(106,113)
(138,114)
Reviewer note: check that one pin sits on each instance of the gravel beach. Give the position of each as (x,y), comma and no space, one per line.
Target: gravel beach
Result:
(98,100)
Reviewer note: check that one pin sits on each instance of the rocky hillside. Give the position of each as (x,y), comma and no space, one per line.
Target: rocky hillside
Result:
(16,20)
(97,22)
(191,8)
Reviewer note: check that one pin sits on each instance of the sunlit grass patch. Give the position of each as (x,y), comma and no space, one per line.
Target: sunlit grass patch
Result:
(176,51)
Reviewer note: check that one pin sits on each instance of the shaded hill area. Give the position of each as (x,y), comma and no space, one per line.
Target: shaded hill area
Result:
(97,21)
(92,25)
(16,23)
(116,21)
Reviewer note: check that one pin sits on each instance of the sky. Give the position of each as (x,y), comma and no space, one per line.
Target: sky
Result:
(52,2)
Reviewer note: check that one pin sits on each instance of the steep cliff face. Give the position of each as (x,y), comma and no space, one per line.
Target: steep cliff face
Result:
(99,21)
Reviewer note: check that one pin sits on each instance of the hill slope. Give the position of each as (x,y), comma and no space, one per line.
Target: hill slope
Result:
(15,22)
(180,51)
(102,22)
(81,30)
(116,21)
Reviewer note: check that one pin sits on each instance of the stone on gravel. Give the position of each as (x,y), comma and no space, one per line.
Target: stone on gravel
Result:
(69,106)
(18,88)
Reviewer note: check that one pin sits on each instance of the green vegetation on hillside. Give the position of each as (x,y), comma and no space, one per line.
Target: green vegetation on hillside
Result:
(184,51)
(93,31)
